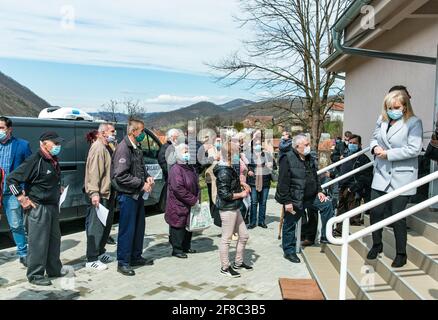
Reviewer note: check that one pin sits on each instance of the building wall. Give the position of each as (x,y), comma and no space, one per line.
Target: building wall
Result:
(368,80)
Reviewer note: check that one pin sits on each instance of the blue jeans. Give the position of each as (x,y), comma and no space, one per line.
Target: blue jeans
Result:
(131,229)
(14,215)
(325,210)
(260,199)
(289,240)
(290,221)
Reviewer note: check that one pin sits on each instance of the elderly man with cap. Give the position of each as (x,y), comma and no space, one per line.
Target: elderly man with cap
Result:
(41,175)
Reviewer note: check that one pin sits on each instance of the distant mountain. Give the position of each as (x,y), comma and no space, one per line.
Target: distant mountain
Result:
(17,100)
(237,103)
(199,110)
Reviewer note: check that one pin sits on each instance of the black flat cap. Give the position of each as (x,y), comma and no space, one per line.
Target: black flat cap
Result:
(52,136)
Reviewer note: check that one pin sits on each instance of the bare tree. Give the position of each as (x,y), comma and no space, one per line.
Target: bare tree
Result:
(134,109)
(292,39)
(112,108)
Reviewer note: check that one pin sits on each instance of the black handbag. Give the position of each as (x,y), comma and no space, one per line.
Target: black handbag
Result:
(216,216)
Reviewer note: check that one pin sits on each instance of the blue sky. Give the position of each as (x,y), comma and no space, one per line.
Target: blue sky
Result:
(84,53)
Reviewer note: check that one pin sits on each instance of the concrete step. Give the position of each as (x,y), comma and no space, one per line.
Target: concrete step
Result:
(425,223)
(363,281)
(410,281)
(420,250)
(323,271)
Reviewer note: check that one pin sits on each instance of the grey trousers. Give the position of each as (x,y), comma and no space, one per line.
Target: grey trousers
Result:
(97,233)
(44,242)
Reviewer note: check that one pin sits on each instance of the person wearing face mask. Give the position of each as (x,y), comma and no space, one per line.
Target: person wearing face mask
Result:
(298,189)
(230,193)
(356,187)
(259,179)
(41,175)
(13,152)
(166,154)
(98,188)
(183,193)
(131,180)
(396,144)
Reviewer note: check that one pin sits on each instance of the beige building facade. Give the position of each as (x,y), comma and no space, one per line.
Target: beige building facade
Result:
(408,27)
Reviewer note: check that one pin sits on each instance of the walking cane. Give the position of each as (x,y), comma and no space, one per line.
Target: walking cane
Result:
(280,227)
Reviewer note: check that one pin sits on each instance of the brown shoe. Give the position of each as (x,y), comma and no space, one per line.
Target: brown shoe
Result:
(307,243)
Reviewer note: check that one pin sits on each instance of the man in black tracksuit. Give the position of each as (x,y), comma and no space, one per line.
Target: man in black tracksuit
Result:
(41,175)
(131,180)
(356,187)
(299,189)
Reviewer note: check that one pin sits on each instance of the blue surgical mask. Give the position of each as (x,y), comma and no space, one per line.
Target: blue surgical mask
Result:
(395,114)
(111,139)
(353,147)
(218,145)
(2,135)
(306,151)
(55,150)
(258,148)
(186,157)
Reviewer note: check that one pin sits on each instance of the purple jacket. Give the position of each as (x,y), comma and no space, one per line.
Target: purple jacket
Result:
(182,194)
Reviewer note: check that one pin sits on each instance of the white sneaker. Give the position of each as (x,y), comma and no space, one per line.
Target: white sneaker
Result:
(106,258)
(96,265)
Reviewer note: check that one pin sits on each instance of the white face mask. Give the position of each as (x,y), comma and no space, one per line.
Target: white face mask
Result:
(306,151)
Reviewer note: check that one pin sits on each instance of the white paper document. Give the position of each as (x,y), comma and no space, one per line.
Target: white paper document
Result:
(247,201)
(63,196)
(102,214)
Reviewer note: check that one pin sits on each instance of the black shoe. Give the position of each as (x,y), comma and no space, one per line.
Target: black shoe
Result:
(180,255)
(230,272)
(23,261)
(292,258)
(111,241)
(190,251)
(374,252)
(242,266)
(399,261)
(251,226)
(126,270)
(262,225)
(142,262)
(323,240)
(41,282)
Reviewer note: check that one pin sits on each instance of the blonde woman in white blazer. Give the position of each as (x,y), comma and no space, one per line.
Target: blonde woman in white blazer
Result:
(396,144)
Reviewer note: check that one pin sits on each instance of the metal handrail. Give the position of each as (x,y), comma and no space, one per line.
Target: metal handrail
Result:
(345,219)
(348,174)
(336,164)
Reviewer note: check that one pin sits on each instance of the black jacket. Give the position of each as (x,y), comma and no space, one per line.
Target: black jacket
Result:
(128,169)
(360,182)
(227,183)
(267,178)
(42,180)
(341,149)
(292,179)
(162,158)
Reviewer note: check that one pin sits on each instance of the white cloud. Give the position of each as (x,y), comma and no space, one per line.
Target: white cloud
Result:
(164,34)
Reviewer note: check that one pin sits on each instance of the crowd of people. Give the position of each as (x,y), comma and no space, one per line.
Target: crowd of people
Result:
(238,173)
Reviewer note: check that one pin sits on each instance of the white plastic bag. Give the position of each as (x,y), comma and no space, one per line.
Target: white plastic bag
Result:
(200,217)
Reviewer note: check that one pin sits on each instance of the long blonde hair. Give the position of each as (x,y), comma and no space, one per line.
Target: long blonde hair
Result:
(401,97)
